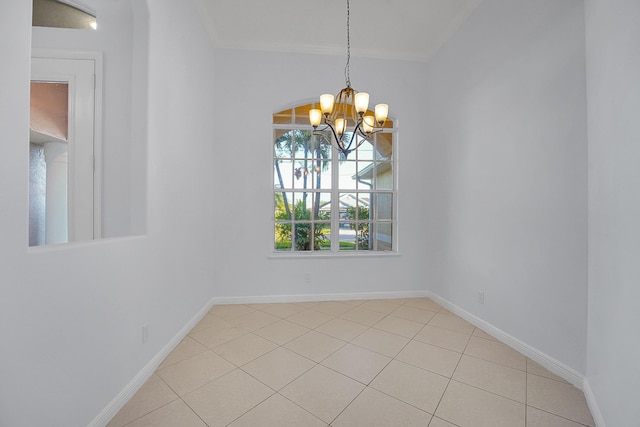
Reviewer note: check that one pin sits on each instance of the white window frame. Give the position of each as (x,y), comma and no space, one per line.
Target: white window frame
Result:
(97,58)
(335,194)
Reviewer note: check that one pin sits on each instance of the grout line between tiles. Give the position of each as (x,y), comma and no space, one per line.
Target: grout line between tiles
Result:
(451,378)
(559,416)
(150,412)
(526,394)
(249,410)
(398,399)
(348,404)
(194,411)
(315,416)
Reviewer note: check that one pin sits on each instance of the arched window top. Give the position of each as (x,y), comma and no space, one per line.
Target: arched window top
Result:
(60,14)
(299,115)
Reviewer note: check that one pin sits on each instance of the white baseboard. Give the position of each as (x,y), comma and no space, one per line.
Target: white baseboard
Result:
(548,362)
(138,381)
(318,297)
(598,419)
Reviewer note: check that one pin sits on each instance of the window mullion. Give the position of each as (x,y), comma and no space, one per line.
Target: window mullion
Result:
(335,200)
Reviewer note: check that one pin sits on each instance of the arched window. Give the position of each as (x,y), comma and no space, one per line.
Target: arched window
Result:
(324,202)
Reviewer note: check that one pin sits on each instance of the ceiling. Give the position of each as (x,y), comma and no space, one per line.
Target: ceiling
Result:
(387,29)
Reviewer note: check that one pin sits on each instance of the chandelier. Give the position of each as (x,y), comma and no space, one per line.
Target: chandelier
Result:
(348,108)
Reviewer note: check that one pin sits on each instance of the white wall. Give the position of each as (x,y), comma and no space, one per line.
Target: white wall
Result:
(613,71)
(506,173)
(250,87)
(71,315)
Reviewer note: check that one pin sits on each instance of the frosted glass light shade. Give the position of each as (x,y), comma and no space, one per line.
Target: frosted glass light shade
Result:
(361,102)
(382,110)
(315,117)
(326,103)
(368,122)
(340,126)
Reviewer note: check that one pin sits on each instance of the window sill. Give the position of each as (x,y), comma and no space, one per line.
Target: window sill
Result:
(333,255)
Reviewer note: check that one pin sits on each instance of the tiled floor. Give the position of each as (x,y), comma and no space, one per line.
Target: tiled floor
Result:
(369,363)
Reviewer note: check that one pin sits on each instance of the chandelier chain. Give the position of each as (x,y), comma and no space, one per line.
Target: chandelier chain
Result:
(348,108)
(347,70)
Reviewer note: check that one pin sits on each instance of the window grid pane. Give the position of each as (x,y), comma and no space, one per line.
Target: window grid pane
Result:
(308,178)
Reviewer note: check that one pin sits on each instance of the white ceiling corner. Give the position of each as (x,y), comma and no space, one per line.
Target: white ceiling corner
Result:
(393,29)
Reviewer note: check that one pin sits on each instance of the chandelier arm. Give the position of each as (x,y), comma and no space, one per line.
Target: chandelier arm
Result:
(367,135)
(318,132)
(346,150)
(360,130)
(363,136)
(339,143)
(353,136)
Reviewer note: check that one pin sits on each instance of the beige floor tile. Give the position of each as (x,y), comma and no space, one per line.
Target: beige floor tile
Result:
(188,347)
(310,318)
(381,342)
(362,316)
(278,411)
(357,363)
(559,398)
(423,303)
(354,302)
(194,372)
(412,385)
(342,329)
(446,312)
(210,321)
(323,392)
(244,349)
(415,314)
(307,304)
(443,338)
(227,398)
(176,413)
(497,352)
(380,306)
(468,406)
(438,422)
(499,379)
(282,331)
(538,418)
(278,367)
(229,311)
(151,396)
(215,336)
(399,326)
(482,334)
(374,409)
(541,371)
(334,308)
(282,310)
(430,357)
(452,323)
(315,345)
(254,320)
(399,301)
